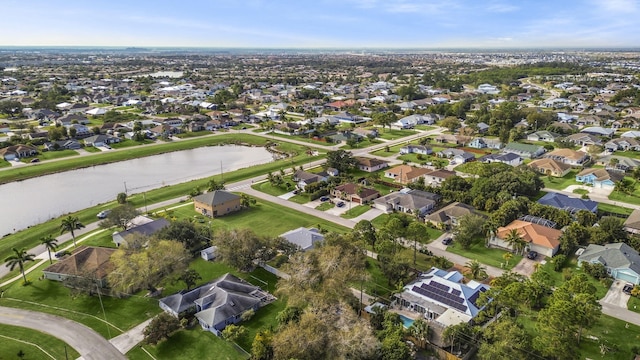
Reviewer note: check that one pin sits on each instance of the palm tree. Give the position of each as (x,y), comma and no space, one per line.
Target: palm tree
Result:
(19,258)
(507,256)
(51,244)
(420,331)
(516,241)
(71,223)
(476,270)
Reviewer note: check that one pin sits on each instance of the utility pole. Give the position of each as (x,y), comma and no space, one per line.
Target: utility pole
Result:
(221,173)
(144,195)
(125,187)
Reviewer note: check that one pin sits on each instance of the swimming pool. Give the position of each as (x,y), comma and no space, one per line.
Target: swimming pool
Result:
(406,321)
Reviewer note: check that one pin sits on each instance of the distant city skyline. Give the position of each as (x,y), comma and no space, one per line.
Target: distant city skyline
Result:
(323,23)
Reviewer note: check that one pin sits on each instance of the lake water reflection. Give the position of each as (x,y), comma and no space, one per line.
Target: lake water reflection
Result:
(34,201)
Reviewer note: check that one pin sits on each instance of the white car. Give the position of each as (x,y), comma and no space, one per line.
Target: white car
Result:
(103,214)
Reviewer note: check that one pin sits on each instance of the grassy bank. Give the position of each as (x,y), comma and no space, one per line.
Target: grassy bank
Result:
(15,339)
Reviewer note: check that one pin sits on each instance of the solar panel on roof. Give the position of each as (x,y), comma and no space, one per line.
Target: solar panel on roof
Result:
(455,292)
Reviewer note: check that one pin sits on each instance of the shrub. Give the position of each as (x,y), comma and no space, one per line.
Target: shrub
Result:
(559,261)
(597,270)
(567,274)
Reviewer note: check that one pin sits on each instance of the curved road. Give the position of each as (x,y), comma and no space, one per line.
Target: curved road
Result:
(85,341)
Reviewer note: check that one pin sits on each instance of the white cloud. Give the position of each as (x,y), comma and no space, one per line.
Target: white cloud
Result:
(500,7)
(616,6)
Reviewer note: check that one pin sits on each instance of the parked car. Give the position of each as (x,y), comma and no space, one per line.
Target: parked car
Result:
(447,241)
(36,160)
(295,192)
(60,254)
(103,214)
(340,204)
(532,255)
(324,198)
(627,289)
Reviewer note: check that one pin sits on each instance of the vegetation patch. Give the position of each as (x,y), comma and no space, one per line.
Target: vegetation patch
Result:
(14,338)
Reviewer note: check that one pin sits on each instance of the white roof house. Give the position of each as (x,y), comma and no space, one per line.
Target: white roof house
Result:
(303,237)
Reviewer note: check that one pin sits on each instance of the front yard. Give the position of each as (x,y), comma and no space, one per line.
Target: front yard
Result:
(16,336)
(393,134)
(355,211)
(485,255)
(560,183)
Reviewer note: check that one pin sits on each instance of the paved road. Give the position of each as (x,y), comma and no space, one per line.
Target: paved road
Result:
(90,344)
(620,313)
(128,340)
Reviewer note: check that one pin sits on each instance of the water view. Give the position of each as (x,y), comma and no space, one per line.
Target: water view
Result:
(34,201)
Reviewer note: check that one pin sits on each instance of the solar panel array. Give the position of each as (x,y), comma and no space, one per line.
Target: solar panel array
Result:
(473,298)
(441,294)
(456,292)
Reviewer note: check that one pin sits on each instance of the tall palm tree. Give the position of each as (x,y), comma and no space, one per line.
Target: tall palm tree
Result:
(476,270)
(51,244)
(420,331)
(19,258)
(71,223)
(516,241)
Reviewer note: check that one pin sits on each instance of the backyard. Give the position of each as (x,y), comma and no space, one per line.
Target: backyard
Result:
(485,255)
(560,183)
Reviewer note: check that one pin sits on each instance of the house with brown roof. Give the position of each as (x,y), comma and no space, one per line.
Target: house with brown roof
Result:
(550,167)
(568,156)
(437,177)
(15,152)
(632,224)
(539,238)
(355,193)
(450,214)
(371,164)
(217,203)
(406,174)
(85,262)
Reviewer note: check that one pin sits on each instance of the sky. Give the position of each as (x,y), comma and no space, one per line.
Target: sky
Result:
(322,23)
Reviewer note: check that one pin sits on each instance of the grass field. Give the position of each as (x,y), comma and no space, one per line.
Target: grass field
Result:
(325,206)
(267,188)
(260,217)
(49,155)
(614,209)
(11,337)
(560,183)
(484,255)
(393,134)
(633,198)
(355,211)
(634,304)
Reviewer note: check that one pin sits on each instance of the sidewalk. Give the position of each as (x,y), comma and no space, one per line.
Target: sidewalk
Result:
(128,340)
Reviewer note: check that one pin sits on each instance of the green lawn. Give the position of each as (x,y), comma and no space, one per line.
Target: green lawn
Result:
(267,188)
(614,209)
(92,149)
(557,276)
(425,127)
(393,134)
(633,198)
(189,344)
(393,150)
(303,138)
(355,211)
(484,255)
(634,304)
(560,183)
(11,347)
(365,142)
(192,134)
(580,191)
(629,154)
(4,163)
(49,155)
(260,217)
(127,143)
(325,206)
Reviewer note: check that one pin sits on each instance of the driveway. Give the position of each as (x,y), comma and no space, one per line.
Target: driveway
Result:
(526,267)
(90,344)
(287,196)
(615,296)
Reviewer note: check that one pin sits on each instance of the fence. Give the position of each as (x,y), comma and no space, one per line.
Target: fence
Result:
(275,271)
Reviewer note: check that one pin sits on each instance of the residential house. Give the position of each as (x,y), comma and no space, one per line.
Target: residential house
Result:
(456,156)
(81,131)
(599,178)
(218,303)
(145,229)
(506,158)
(525,150)
(304,238)
(442,297)
(550,167)
(409,122)
(355,193)
(632,223)
(304,178)
(72,119)
(630,134)
(368,133)
(447,138)
(405,174)
(543,135)
(539,238)
(84,262)
(583,139)
(15,152)
(217,203)
(450,215)
(598,131)
(621,260)
(408,201)
(416,149)
(622,144)
(568,156)
(437,177)
(482,127)
(70,144)
(371,164)
(101,140)
(484,143)
(618,163)
(165,130)
(570,204)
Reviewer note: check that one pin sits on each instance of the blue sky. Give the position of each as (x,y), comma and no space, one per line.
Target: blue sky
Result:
(322,23)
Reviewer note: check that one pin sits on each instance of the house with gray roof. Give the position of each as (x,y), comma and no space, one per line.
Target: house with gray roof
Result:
(568,203)
(525,150)
(409,201)
(598,131)
(146,229)
(621,260)
(305,238)
(506,158)
(632,224)
(218,303)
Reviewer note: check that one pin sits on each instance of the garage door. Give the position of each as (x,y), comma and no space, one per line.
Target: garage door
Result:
(627,277)
(356,200)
